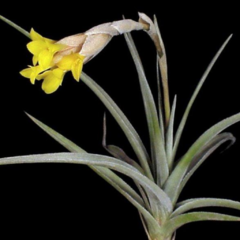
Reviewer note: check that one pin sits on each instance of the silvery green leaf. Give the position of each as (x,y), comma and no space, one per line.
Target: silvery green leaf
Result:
(161,199)
(174,181)
(156,140)
(198,88)
(69,145)
(170,131)
(211,146)
(123,122)
(107,174)
(160,102)
(173,224)
(120,154)
(191,204)
(115,151)
(206,151)
(112,107)
(162,61)
(12,24)
(151,223)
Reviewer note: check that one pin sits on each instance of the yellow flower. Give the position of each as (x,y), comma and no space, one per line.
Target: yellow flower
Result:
(51,61)
(72,62)
(52,80)
(31,73)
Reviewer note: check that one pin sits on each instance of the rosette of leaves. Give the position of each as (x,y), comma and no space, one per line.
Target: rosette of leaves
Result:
(158,177)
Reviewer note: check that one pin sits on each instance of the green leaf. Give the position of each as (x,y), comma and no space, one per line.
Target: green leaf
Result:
(164,203)
(117,152)
(173,224)
(210,147)
(172,184)
(206,151)
(12,24)
(69,145)
(198,88)
(162,61)
(160,103)
(152,224)
(156,140)
(191,204)
(123,122)
(170,131)
(103,172)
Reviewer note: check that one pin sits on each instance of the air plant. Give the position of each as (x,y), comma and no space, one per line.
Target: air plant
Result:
(159,178)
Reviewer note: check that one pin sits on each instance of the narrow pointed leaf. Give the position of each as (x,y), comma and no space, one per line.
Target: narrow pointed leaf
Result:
(172,184)
(123,122)
(162,61)
(170,131)
(191,204)
(152,224)
(198,160)
(69,145)
(156,140)
(72,147)
(144,226)
(160,103)
(198,88)
(176,222)
(12,24)
(211,146)
(161,199)
(115,151)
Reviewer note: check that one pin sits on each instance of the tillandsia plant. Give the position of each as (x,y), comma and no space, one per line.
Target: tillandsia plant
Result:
(158,177)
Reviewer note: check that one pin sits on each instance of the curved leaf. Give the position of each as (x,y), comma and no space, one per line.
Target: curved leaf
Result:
(191,204)
(123,122)
(160,103)
(170,131)
(164,73)
(198,88)
(106,173)
(126,126)
(161,199)
(172,184)
(152,224)
(156,140)
(198,160)
(173,224)
(115,151)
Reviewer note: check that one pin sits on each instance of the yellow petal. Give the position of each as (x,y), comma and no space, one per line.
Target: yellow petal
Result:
(55,47)
(67,61)
(26,72)
(47,40)
(45,59)
(43,75)
(52,82)
(59,73)
(31,73)
(77,69)
(35,47)
(35,60)
(35,36)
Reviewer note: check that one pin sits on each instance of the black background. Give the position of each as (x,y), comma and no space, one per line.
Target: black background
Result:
(53,201)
